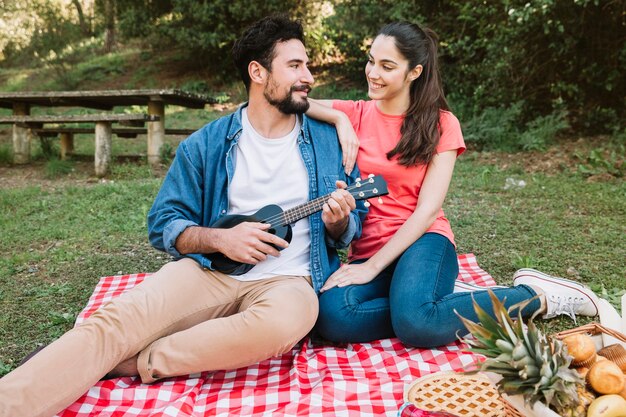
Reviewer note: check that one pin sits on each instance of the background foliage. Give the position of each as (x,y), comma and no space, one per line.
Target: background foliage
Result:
(510,66)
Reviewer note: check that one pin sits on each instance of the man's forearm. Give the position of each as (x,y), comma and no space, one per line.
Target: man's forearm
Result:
(199,240)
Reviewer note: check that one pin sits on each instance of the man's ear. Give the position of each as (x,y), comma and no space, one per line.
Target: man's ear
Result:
(257,72)
(415,73)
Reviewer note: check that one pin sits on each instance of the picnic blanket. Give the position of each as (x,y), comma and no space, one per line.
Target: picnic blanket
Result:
(358,379)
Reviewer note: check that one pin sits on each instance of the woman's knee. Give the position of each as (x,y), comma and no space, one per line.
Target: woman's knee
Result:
(334,320)
(419,332)
(425,337)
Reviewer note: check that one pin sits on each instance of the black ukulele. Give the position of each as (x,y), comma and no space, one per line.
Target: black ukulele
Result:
(281,221)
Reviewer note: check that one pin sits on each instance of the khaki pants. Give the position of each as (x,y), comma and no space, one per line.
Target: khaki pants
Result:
(181,320)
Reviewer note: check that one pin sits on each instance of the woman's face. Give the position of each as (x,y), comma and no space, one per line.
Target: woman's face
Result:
(387,71)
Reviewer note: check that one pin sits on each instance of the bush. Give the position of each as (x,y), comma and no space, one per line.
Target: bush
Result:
(56,168)
(540,132)
(493,128)
(500,128)
(604,160)
(549,55)
(6,155)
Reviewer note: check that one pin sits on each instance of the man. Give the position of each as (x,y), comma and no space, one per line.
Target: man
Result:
(189,317)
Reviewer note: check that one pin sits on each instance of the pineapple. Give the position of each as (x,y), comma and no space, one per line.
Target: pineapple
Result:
(529,364)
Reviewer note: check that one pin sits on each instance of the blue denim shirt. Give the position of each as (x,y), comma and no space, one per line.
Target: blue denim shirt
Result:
(195,190)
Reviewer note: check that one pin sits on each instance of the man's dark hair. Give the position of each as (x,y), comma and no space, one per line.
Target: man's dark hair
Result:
(258,43)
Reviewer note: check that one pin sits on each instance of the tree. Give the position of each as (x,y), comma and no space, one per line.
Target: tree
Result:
(85,26)
(109,25)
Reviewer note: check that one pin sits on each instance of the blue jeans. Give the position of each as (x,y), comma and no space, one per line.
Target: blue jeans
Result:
(412,299)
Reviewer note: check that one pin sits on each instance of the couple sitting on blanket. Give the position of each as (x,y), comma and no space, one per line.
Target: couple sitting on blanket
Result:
(278,149)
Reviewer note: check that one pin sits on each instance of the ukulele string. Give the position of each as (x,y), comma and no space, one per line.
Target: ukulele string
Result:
(282,216)
(322,199)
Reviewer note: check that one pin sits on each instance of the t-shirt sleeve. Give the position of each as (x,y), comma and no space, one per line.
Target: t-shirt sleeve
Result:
(451,135)
(353,109)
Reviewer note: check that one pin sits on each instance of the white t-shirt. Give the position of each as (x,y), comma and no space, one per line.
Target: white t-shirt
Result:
(271,171)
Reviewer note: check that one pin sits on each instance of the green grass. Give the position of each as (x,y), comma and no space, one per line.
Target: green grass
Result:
(57,241)
(6,155)
(56,168)
(555,223)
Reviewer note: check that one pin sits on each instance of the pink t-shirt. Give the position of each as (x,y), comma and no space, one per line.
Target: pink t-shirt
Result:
(378,134)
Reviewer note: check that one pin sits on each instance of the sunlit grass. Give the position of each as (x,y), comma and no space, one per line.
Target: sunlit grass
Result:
(14,79)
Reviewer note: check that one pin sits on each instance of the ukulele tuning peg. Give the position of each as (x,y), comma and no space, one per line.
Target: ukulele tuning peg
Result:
(370,176)
(380,200)
(358,179)
(367,204)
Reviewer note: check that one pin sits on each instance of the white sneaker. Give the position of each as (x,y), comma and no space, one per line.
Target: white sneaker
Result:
(563,296)
(460,286)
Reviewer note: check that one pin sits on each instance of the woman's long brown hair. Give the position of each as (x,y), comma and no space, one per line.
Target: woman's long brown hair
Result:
(420,129)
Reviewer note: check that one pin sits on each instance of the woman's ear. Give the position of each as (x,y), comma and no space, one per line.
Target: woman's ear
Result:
(257,72)
(415,73)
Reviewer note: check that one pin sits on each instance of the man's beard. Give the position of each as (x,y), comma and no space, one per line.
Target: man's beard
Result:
(287,104)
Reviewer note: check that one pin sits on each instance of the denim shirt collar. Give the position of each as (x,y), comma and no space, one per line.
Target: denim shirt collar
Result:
(237,124)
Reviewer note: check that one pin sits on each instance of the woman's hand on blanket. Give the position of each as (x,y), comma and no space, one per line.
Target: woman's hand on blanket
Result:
(350,274)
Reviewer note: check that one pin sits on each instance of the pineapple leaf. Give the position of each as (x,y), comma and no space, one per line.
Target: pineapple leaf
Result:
(491,326)
(529,363)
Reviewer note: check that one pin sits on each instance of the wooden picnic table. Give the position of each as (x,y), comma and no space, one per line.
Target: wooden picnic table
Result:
(28,121)
(103,131)
(156,100)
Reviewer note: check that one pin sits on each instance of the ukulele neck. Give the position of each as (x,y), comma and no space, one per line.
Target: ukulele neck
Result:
(296,213)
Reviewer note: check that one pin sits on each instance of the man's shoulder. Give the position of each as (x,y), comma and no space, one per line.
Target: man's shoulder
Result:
(318,124)
(319,128)
(215,131)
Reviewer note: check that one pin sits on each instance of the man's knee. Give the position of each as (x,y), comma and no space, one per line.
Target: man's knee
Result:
(292,315)
(301,311)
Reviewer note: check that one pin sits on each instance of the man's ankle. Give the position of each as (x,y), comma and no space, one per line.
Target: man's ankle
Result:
(127,367)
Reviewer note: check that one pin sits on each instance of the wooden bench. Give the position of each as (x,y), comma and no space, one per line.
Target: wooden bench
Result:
(122,132)
(67,134)
(103,131)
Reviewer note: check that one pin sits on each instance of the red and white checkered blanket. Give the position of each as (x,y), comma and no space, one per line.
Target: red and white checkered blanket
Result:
(360,379)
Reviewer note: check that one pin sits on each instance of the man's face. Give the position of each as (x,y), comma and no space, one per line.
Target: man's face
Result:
(289,80)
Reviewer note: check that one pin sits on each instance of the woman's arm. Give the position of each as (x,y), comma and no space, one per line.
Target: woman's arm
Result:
(319,102)
(432,195)
(323,110)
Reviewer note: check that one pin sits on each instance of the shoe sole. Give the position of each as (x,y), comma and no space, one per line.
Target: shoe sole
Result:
(533,273)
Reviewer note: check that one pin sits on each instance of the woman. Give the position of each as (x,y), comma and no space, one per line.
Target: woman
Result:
(400,279)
